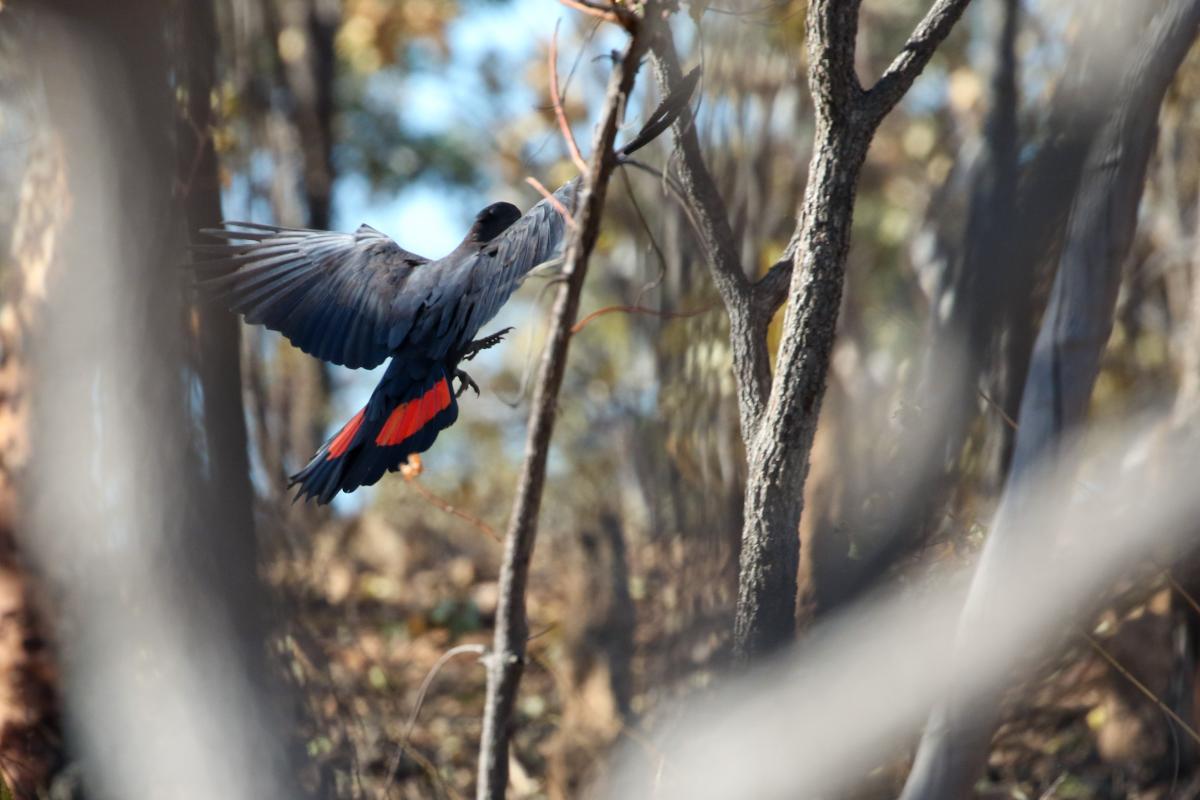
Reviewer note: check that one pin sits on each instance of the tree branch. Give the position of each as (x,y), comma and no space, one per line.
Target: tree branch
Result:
(506,662)
(560,113)
(747,330)
(835,51)
(911,61)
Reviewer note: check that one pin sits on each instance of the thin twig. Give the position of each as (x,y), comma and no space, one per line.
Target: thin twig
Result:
(600,312)
(449,508)
(554,201)
(1052,788)
(1191,601)
(662,259)
(561,115)
(593,10)
(1012,423)
(411,725)
(411,470)
(1141,687)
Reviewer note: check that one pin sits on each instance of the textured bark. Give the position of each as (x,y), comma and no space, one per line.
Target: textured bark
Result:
(980,292)
(846,119)
(778,417)
(506,662)
(1062,372)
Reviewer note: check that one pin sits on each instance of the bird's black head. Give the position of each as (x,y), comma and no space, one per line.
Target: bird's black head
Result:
(493,221)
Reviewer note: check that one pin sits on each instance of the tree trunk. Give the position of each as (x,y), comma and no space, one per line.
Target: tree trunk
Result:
(847,117)
(778,457)
(161,641)
(1062,372)
(506,662)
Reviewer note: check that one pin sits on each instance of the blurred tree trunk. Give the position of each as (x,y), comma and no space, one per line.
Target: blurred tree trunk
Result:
(290,105)
(30,734)
(151,562)
(217,337)
(984,282)
(1063,367)
(1184,432)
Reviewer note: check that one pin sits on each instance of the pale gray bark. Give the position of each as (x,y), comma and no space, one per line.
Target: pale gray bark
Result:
(1062,372)
(155,588)
(506,662)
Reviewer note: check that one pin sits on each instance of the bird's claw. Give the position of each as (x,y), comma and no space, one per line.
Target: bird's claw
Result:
(465,382)
(479,345)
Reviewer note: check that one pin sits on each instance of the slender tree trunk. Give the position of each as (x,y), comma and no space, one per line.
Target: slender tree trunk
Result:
(226,512)
(979,287)
(779,415)
(778,456)
(1063,370)
(506,662)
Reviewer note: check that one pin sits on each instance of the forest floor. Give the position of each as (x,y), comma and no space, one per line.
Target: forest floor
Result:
(381,614)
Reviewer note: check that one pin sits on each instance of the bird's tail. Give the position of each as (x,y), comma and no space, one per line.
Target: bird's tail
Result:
(664,116)
(406,412)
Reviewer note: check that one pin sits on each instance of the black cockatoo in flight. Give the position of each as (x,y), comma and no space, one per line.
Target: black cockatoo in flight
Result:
(357,299)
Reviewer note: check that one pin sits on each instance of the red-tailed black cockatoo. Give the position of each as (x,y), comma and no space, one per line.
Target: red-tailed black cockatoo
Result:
(358,299)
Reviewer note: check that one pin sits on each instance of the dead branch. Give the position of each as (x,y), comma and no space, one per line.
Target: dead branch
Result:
(506,662)
(559,113)
(653,312)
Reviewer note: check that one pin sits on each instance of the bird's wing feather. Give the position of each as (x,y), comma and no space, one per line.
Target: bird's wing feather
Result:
(473,287)
(330,294)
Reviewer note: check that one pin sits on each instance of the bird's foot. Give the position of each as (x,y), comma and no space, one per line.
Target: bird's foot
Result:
(479,345)
(465,382)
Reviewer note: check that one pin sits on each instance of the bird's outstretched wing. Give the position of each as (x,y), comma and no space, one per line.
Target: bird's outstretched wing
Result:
(330,294)
(473,287)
